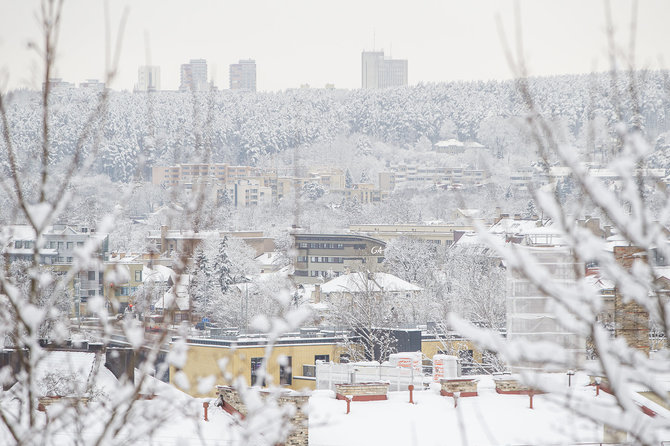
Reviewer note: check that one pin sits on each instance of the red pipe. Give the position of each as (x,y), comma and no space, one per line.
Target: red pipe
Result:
(205,405)
(411,389)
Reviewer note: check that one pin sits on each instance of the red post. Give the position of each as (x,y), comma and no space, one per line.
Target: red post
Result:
(205,405)
(530,394)
(348,404)
(411,390)
(597,389)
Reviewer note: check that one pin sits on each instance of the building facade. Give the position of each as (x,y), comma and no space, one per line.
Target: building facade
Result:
(243,75)
(194,76)
(321,256)
(380,72)
(148,78)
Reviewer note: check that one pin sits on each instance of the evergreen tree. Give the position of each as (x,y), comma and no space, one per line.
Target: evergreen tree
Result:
(223,266)
(348,180)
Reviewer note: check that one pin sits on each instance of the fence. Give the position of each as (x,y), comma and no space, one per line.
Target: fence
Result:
(328,374)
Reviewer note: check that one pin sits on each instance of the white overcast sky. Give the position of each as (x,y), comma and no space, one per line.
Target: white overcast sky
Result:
(319,42)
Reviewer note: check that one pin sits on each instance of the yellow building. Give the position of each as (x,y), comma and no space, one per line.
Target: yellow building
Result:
(288,365)
(123,276)
(291,362)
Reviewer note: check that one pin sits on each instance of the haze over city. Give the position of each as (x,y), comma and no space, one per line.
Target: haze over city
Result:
(334,223)
(317,43)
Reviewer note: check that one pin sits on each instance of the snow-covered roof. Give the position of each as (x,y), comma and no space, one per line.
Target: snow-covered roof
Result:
(17,232)
(177,296)
(449,143)
(600,283)
(363,282)
(508,225)
(79,365)
(268,258)
(159,273)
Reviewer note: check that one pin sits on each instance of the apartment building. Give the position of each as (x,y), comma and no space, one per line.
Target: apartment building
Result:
(247,193)
(242,75)
(194,173)
(411,174)
(362,192)
(194,76)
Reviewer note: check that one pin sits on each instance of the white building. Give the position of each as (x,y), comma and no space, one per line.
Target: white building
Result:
(194,76)
(379,72)
(148,78)
(243,75)
(531,314)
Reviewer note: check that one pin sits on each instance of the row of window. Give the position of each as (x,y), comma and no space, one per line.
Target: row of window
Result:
(326,259)
(324,273)
(125,290)
(305,245)
(28,244)
(64,245)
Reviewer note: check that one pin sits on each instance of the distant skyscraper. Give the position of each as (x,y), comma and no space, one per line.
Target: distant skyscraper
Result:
(243,75)
(378,72)
(148,78)
(194,76)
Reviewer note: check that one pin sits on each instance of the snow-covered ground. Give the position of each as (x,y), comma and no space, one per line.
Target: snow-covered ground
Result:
(488,419)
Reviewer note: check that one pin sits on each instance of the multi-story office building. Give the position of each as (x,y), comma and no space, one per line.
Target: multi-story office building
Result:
(148,78)
(321,256)
(243,75)
(380,72)
(194,76)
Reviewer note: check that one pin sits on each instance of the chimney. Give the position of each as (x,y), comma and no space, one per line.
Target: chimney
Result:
(317,293)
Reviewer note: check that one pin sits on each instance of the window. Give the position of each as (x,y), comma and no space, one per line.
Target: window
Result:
(18,244)
(324,358)
(70,245)
(91,275)
(138,276)
(285,371)
(69,259)
(80,244)
(255,369)
(91,292)
(465,356)
(60,246)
